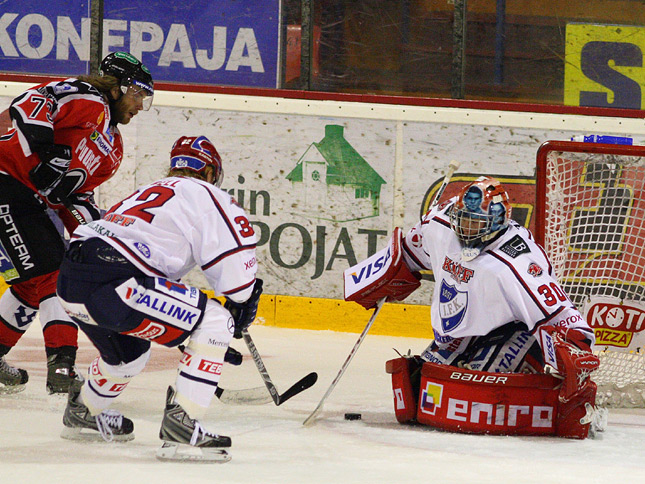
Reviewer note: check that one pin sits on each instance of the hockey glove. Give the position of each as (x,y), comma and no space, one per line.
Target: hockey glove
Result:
(54,163)
(567,350)
(233,357)
(244,313)
(61,192)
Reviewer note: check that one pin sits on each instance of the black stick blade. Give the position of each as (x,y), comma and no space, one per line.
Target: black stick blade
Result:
(300,386)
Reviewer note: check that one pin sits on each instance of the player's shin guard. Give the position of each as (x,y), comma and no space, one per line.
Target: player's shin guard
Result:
(201,365)
(198,374)
(16,315)
(106,382)
(61,342)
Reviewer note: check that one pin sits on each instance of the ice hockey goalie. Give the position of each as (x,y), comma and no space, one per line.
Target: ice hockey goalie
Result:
(511,353)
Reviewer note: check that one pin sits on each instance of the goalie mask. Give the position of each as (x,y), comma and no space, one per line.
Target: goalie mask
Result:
(131,73)
(481,211)
(195,153)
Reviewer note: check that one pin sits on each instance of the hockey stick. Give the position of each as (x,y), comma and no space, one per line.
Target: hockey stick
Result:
(246,396)
(452,168)
(318,409)
(296,388)
(71,209)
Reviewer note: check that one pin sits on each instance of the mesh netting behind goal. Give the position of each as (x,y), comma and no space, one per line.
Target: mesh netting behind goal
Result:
(591,221)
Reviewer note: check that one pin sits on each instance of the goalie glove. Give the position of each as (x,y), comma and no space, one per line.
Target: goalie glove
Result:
(244,313)
(568,352)
(54,163)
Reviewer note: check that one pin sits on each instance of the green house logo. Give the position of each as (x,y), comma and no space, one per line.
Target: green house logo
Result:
(333,181)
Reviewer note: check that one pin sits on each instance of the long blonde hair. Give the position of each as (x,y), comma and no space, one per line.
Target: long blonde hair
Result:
(102,83)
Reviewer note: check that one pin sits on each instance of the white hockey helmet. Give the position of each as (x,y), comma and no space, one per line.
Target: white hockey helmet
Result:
(195,153)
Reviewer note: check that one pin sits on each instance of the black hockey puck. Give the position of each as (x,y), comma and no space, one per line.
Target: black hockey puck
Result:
(353,416)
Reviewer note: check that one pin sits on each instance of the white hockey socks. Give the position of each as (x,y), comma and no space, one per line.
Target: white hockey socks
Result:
(106,382)
(200,368)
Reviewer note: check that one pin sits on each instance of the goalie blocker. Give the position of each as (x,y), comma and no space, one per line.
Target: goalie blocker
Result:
(382,275)
(461,400)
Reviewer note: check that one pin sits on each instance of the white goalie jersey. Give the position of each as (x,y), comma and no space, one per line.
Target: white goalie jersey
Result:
(170,226)
(510,281)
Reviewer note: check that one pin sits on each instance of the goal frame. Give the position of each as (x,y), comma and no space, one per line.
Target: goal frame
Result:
(617,367)
(570,146)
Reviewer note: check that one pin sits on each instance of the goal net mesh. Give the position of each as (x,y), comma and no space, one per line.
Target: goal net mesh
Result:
(594,233)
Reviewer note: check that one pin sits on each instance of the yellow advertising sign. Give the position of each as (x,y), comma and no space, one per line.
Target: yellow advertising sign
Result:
(604,66)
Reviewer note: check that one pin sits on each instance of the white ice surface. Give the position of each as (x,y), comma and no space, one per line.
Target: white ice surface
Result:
(270,444)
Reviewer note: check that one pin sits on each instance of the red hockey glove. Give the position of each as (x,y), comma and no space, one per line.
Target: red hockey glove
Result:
(568,352)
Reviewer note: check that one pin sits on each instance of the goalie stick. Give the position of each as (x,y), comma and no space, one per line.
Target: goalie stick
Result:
(452,168)
(309,420)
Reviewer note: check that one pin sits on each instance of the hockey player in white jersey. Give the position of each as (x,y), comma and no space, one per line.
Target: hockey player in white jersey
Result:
(496,308)
(120,281)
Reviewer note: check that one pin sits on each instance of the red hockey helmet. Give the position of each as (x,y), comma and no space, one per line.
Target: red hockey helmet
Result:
(482,209)
(196,153)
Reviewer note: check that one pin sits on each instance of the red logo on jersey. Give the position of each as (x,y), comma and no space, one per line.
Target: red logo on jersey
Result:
(416,240)
(535,270)
(119,387)
(458,272)
(186,358)
(212,367)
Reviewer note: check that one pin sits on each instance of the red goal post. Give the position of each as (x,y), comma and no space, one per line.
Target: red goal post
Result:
(590,218)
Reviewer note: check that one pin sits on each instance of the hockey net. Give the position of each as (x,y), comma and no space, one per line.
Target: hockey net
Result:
(591,221)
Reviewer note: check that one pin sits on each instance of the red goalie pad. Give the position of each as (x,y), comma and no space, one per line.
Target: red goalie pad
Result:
(384,274)
(468,401)
(405,401)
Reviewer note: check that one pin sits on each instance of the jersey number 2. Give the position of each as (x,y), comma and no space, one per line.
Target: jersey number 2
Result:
(152,197)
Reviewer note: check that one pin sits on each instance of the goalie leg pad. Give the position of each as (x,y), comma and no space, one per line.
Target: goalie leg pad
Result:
(576,417)
(405,385)
(469,401)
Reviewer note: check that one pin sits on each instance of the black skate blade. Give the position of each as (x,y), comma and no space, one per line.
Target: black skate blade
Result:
(174,452)
(88,435)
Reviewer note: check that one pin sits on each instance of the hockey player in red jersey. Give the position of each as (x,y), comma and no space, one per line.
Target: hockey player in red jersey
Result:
(63,144)
(120,281)
(496,309)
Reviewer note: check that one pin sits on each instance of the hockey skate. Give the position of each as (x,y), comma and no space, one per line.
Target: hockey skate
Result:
(12,380)
(185,438)
(79,423)
(61,372)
